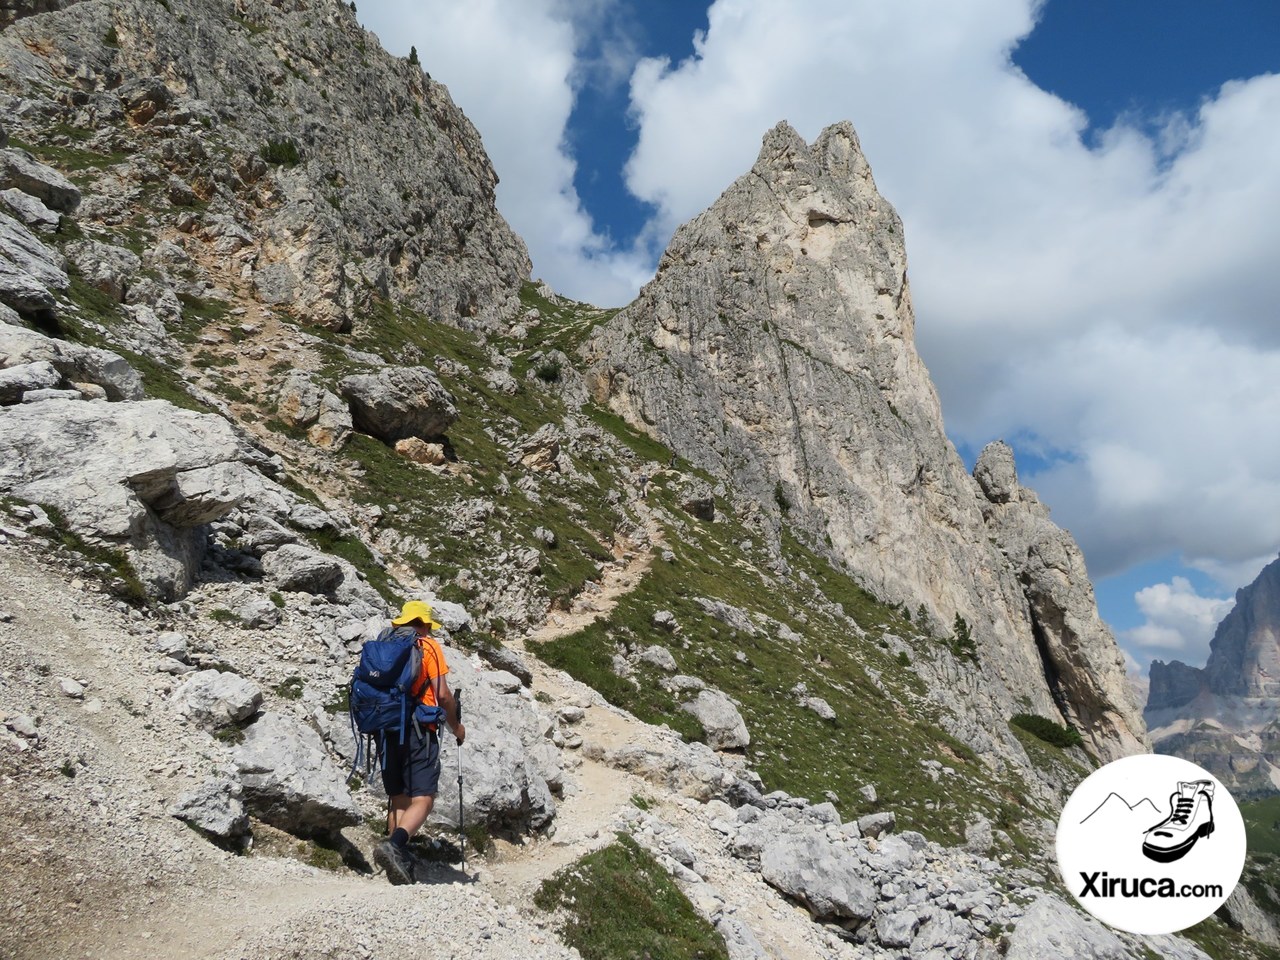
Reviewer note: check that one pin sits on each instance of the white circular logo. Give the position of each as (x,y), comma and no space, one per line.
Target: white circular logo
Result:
(1151,844)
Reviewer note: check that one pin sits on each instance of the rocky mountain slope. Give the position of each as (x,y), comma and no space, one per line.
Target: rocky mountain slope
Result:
(270,364)
(1224,716)
(775,348)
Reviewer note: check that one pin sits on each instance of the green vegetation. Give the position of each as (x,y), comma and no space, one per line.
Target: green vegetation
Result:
(884,724)
(644,446)
(620,904)
(962,642)
(71,160)
(290,689)
(579,513)
(564,326)
(1217,939)
(1262,865)
(1048,731)
(281,153)
(118,573)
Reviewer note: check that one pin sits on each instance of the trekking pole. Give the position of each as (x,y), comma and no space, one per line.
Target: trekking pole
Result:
(462,836)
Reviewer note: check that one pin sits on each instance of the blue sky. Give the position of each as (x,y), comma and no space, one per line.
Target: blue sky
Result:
(1091,194)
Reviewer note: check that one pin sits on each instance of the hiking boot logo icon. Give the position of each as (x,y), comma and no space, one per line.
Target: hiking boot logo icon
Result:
(1190,818)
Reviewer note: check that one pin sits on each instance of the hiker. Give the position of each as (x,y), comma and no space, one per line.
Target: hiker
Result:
(411,771)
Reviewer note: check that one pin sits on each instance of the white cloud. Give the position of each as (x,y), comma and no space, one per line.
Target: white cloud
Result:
(1179,621)
(1112,303)
(512,67)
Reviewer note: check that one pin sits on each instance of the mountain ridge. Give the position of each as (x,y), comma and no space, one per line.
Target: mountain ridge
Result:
(767,729)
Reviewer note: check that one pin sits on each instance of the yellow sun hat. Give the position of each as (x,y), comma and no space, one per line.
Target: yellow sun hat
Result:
(416,610)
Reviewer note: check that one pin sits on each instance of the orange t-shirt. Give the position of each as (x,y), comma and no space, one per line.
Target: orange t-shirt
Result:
(433,667)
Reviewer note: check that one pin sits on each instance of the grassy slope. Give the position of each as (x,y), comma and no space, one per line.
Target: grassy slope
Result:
(618,902)
(884,726)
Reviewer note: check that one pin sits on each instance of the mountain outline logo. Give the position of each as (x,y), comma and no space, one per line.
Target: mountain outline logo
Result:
(1145,865)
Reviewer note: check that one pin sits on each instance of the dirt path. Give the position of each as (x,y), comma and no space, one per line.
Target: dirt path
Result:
(601,792)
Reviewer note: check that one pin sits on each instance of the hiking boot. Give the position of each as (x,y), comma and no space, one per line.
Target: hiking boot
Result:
(397,862)
(1191,818)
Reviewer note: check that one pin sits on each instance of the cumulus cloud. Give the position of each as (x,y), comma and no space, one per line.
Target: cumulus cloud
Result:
(1179,622)
(1101,302)
(513,68)
(1104,301)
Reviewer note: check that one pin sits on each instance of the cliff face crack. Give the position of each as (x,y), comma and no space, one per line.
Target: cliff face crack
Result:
(1048,665)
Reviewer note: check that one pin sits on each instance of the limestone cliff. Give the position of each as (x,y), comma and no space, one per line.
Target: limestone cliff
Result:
(1225,716)
(329,172)
(775,347)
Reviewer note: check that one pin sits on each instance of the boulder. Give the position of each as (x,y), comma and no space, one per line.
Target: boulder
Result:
(215,809)
(723,725)
(24,293)
(108,268)
(1050,928)
(21,170)
(823,877)
(143,477)
(696,499)
(733,617)
(399,402)
(688,769)
(19,380)
(77,364)
(818,706)
(300,403)
(540,451)
(36,396)
(501,658)
(419,451)
(660,657)
(1243,912)
(30,211)
(739,942)
(876,825)
(289,780)
(213,698)
(302,569)
(997,473)
(508,764)
(258,614)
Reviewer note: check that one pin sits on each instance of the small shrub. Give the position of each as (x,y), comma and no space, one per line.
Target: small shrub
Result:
(619,902)
(413,56)
(962,642)
(231,735)
(1048,731)
(282,153)
(277,599)
(291,689)
(223,615)
(111,38)
(903,659)
(548,371)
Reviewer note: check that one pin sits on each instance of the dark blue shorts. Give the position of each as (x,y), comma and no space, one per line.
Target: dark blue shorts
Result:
(412,768)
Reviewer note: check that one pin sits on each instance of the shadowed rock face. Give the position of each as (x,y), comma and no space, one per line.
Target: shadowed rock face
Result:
(1173,684)
(1244,658)
(775,347)
(1224,716)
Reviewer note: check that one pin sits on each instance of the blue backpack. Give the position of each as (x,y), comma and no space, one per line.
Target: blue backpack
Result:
(385,697)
